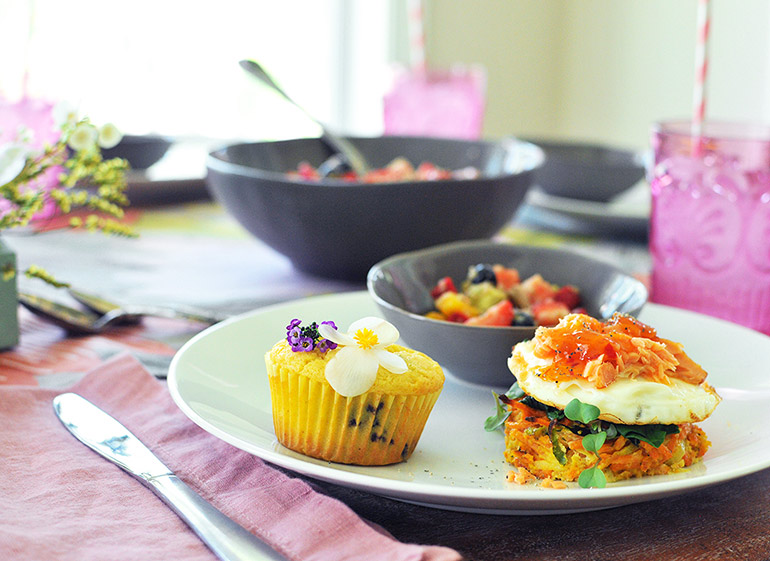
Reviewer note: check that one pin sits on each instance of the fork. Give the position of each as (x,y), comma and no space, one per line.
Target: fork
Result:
(88,322)
(132,313)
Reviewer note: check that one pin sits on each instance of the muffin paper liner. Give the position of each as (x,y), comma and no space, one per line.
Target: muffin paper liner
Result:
(370,429)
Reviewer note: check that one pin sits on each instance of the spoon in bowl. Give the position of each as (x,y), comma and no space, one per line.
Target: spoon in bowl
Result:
(341,148)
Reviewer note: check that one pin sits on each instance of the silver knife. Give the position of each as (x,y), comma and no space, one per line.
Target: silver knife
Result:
(106,436)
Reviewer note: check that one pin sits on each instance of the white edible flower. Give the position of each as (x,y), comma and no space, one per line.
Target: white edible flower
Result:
(24,135)
(353,370)
(64,113)
(109,136)
(83,137)
(13,157)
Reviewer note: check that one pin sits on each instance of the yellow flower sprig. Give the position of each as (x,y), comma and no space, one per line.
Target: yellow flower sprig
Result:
(35,272)
(86,182)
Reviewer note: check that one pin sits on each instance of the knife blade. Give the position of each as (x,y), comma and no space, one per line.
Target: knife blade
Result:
(108,437)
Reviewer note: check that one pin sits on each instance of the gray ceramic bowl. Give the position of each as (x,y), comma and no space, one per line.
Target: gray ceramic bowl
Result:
(587,171)
(339,230)
(400,285)
(141,151)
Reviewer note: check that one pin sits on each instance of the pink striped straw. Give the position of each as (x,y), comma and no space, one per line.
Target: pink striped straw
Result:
(701,66)
(416,35)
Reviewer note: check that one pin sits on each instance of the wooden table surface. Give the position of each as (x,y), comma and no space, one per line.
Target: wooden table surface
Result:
(727,521)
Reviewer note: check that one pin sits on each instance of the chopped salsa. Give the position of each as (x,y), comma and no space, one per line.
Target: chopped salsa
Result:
(398,170)
(495,295)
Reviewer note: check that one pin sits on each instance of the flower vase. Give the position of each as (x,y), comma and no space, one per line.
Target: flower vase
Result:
(9,320)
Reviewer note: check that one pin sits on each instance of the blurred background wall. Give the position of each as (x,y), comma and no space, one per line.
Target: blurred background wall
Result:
(603,69)
(599,70)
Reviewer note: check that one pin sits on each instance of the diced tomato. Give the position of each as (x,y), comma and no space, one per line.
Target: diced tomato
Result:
(568,295)
(500,314)
(306,171)
(378,176)
(506,278)
(548,312)
(443,285)
(427,171)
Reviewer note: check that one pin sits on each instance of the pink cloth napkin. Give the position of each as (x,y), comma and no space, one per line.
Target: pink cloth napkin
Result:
(59,500)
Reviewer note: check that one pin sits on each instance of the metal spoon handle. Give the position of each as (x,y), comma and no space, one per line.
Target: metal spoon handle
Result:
(339,145)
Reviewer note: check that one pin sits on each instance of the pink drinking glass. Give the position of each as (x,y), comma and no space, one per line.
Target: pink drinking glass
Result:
(710,220)
(439,103)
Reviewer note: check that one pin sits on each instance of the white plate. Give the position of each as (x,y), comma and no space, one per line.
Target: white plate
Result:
(628,213)
(218,379)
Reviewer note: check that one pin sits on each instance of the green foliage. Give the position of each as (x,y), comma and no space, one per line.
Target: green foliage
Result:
(594,441)
(493,422)
(592,477)
(87,183)
(653,435)
(584,413)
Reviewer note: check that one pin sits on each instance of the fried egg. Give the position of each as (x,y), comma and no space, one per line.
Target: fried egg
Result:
(627,400)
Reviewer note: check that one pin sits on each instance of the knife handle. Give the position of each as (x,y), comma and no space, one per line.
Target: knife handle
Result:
(228,540)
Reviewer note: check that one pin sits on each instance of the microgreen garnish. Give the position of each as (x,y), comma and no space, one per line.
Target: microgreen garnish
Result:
(653,435)
(592,477)
(495,421)
(588,414)
(501,411)
(307,338)
(594,441)
(584,413)
(515,392)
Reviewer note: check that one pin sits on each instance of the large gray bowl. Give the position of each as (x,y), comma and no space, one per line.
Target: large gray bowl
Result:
(336,229)
(590,172)
(401,284)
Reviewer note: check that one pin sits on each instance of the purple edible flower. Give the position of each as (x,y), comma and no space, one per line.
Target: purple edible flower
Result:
(296,345)
(324,345)
(307,338)
(294,334)
(306,344)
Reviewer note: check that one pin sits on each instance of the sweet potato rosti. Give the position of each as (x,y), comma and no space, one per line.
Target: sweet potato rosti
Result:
(603,401)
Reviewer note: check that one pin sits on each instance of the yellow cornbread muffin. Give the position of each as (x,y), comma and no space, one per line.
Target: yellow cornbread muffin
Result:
(379,426)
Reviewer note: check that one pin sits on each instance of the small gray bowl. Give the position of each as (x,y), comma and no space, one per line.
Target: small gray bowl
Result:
(589,172)
(401,284)
(141,151)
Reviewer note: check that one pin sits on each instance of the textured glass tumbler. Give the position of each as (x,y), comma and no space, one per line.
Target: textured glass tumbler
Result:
(710,220)
(439,103)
